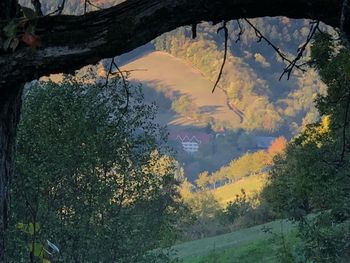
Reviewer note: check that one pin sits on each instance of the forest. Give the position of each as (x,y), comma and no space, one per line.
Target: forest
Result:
(95,163)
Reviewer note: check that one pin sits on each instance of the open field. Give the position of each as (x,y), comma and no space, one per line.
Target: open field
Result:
(268,250)
(251,184)
(173,76)
(245,245)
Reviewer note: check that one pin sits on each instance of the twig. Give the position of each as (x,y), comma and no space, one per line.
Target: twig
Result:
(342,155)
(224,27)
(85,6)
(291,63)
(125,85)
(88,2)
(288,70)
(59,9)
(37,7)
(241,31)
(133,70)
(194,31)
(127,93)
(345,22)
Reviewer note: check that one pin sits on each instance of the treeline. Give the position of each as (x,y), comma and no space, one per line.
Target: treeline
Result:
(221,149)
(208,216)
(246,165)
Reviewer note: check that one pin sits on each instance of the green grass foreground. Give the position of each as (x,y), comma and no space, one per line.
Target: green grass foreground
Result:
(261,252)
(256,244)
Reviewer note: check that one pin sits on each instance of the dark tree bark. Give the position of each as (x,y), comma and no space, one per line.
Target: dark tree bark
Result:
(70,42)
(10,103)
(8,9)
(345,23)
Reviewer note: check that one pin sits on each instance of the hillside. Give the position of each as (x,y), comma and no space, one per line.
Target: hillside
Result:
(242,239)
(251,185)
(252,71)
(174,78)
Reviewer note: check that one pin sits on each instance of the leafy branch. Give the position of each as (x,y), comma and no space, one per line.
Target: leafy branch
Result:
(21,30)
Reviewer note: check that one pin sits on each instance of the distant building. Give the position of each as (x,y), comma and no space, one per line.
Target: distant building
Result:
(190,141)
(190,145)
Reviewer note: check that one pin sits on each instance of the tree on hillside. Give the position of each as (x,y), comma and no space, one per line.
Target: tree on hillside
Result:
(184,105)
(277,146)
(248,164)
(93,180)
(203,180)
(65,43)
(309,183)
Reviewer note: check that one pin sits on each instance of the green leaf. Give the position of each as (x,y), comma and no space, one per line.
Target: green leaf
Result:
(38,249)
(10,29)
(28,228)
(29,13)
(20,226)
(31,228)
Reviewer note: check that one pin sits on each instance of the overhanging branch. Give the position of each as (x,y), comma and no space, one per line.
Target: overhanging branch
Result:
(70,42)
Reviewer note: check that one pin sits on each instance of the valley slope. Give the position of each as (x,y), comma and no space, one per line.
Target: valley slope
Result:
(174,78)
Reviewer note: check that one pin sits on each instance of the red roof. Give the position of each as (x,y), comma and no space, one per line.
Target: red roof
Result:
(200,137)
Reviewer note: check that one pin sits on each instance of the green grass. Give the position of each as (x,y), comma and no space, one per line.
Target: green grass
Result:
(264,251)
(261,252)
(234,246)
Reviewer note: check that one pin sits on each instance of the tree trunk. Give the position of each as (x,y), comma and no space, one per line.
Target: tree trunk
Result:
(8,8)
(10,104)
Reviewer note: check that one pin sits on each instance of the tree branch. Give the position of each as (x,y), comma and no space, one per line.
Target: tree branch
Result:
(37,7)
(70,42)
(224,28)
(345,23)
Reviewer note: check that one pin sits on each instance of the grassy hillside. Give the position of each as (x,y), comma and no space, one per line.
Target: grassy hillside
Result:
(237,244)
(261,251)
(251,185)
(175,78)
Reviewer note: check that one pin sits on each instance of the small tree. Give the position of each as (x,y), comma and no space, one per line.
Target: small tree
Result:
(91,175)
(203,180)
(277,146)
(183,105)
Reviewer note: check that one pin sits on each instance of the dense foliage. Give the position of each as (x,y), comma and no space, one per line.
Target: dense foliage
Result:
(92,176)
(310,182)
(216,206)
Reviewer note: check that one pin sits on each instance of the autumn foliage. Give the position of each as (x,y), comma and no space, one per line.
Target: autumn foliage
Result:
(277,146)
